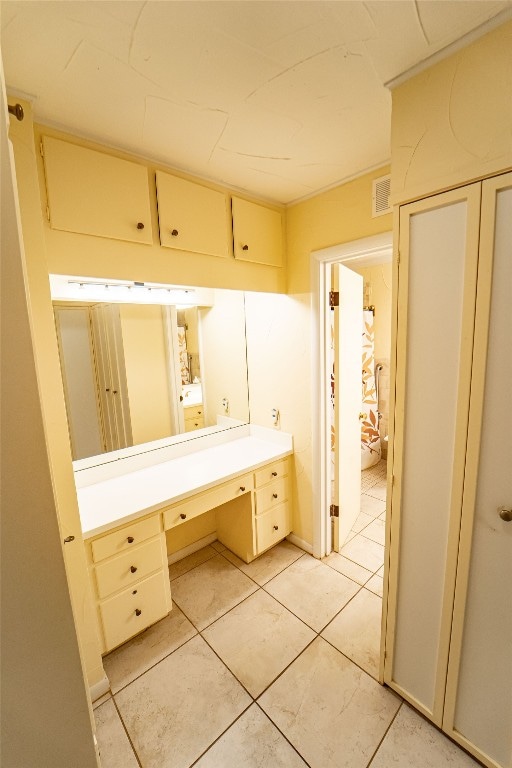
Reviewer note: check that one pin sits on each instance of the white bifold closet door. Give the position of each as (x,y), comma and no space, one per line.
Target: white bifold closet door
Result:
(438,255)
(478,710)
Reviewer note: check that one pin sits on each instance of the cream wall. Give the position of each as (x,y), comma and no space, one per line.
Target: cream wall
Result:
(451,123)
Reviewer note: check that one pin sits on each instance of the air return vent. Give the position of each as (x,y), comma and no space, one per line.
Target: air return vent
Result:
(380,196)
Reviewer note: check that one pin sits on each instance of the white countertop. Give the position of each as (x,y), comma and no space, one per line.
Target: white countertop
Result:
(120,499)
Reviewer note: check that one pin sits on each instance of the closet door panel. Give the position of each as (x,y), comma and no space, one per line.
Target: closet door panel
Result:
(437,280)
(479,696)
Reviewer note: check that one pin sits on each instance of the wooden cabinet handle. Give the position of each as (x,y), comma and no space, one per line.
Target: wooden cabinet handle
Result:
(183,516)
(274,474)
(245,247)
(140,225)
(174,232)
(138,611)
(274,495)
(130,539)
(276,527)
(133,568)
(242,488)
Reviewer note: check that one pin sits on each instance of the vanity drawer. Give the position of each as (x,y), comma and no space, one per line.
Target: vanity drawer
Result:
(122,571)
(272,527)
(271,495)
(196,423)
(127,537)
(202,502)
(134,609)
(270,472)
(193,412)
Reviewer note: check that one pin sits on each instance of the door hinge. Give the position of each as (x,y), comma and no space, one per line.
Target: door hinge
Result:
(334,299)
(398,257)
(335,510)
(41,149)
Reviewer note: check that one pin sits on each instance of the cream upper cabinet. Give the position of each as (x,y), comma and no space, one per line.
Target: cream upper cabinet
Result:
(192,217)
(94,193)
(257,233)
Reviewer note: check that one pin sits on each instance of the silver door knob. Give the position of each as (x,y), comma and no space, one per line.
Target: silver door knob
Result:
(505,514)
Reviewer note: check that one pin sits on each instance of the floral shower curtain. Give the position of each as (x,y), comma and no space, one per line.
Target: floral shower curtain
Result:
(182,346)
(370,437)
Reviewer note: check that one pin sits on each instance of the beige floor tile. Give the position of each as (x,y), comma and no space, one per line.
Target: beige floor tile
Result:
(348,568)
(177,709)
(361,522)
(101,700)
(145,650)
(375,531)
(218,546)
(207,592)
(371,506)
(331,711)
(380,572)
(191,561)
(252,742)
(412,741)
(268,565)
(312,591)
(364,552)
(257,640)
(378,491)
(383,516)
(113,743)
(376,585)
(356,631)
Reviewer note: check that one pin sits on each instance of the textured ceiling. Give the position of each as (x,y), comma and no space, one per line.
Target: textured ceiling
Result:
(281,99)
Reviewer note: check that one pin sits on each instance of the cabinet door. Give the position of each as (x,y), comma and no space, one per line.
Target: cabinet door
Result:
(438,248)
(192,217)
(479,691)
(93,193)
(257,233)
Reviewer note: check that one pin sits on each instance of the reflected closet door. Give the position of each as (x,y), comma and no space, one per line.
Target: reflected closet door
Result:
(478,710)
(438,251)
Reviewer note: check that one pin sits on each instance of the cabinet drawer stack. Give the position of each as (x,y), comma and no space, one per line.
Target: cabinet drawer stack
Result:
(194,418)
(271,505)
(130,580)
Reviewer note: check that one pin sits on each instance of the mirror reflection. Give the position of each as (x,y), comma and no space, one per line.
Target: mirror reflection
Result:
(134,373)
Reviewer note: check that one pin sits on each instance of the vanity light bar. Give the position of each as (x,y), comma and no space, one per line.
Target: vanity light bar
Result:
(85,289)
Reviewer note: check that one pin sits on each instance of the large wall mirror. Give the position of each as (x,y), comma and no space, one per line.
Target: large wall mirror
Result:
(136,370)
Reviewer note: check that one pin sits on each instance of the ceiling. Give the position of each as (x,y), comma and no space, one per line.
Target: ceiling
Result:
(281,99)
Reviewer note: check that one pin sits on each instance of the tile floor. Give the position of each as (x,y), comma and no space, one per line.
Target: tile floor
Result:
(268,665)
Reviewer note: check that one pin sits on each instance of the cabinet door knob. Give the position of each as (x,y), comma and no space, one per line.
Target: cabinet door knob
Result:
(140,225)
(505,514)
(174,232)
(276,527)
(245,247)
(133,568)
(114,391)
(130,539)
(274,495)
(274,474)
(138,611)
(242,488)
(69,539)
(183,516)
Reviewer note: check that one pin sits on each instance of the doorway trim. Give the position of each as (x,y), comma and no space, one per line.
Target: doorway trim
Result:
(365,253)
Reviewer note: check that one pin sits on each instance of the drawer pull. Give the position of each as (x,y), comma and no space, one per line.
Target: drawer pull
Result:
(138,611)
(183,516)
(133,568)
(274,495)
(140,225)
(274,474)
(242,488)
(174,232)
(276,527)
(134,592)
(130,539)
(245,247)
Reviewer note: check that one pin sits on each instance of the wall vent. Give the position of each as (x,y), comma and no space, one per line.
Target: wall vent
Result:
(380,196)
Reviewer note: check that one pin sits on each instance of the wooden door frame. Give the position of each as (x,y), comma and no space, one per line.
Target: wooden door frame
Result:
(365,252)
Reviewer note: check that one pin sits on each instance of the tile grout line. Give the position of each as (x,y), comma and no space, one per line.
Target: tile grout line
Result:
(127,734)
(282,734)
(385,733)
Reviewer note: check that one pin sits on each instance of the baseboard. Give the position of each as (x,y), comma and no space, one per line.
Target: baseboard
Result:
(181,553)
(305,545)
(99,689)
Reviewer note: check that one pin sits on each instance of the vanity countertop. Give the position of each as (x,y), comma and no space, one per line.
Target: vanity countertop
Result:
(122,498)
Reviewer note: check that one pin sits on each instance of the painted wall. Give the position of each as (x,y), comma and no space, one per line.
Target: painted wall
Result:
(46,715)
(147,373)
(86,255)
(451,123)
